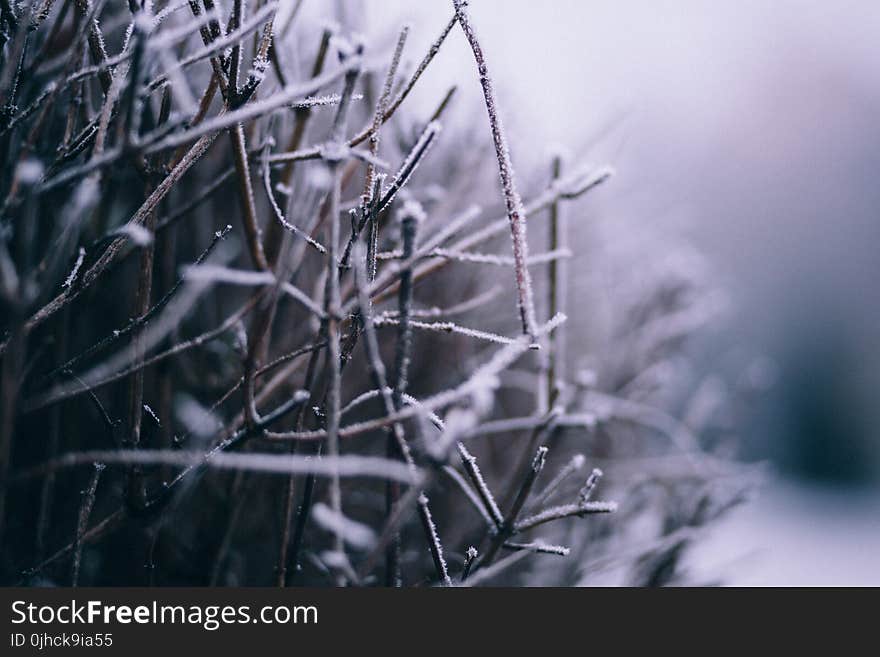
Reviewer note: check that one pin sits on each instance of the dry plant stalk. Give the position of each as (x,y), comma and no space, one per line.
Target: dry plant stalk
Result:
(516,213)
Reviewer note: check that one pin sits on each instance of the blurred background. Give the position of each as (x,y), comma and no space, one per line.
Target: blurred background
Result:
(746,132)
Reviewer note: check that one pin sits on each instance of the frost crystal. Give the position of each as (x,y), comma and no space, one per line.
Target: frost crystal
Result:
(71,278)
(152,414)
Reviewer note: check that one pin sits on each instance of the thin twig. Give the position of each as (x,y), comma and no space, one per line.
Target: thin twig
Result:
(85,510)
(516,213)
(508,526)
(473,471)
(564,511)
(470,557)
(397,445)
(332,303)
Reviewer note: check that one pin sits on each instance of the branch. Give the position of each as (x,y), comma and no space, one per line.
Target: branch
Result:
(516,213)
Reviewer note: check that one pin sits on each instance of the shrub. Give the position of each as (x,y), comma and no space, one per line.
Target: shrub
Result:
(210,266)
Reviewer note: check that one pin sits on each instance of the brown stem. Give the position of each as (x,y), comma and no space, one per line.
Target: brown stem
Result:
(136,381)
(515,211)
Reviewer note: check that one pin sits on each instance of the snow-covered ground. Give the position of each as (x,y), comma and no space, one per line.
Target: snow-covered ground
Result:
(795,535)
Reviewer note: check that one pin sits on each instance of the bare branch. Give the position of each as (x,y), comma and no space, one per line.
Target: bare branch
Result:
(516,213)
